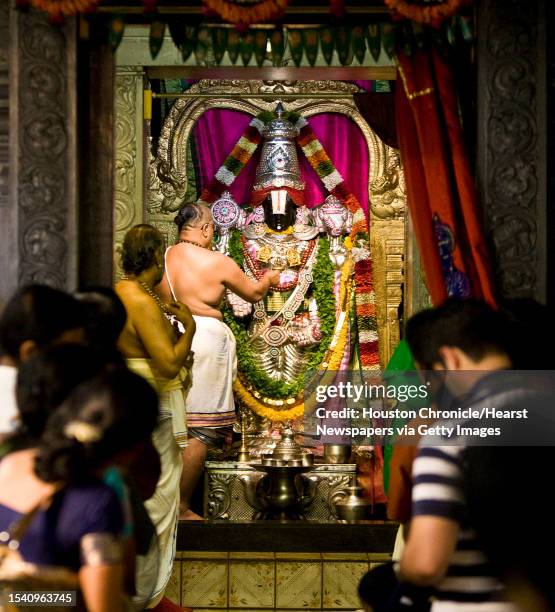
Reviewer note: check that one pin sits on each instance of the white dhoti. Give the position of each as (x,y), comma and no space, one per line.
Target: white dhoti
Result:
(210,402)
(170,436)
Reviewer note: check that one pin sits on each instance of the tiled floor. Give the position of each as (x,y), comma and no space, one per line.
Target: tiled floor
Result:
(256,582)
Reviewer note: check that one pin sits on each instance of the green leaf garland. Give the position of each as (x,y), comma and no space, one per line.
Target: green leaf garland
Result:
(322,287)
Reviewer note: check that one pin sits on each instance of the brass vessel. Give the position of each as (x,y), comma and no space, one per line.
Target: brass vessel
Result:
(353,507)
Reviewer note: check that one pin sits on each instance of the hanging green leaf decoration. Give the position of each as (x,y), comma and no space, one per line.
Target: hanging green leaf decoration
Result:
(156,37)
(246,47)
(260,41)
(465,26)
(327,42)
(189,42)
(202,46)
(374,40)
(451,32)
(388,37)
(358,42)
(233,45)
(310,40)
(343,45)
(295,40)
(176,32)
(219,43)
(277,41)
(115,31)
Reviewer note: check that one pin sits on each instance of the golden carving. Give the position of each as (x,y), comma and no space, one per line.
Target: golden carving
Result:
(293,257)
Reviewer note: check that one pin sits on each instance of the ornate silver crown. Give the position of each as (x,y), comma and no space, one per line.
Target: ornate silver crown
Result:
(279,164)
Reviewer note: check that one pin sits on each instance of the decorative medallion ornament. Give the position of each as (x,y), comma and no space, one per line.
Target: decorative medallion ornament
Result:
(264,254)
(242,12)
(226,211)
(293,257)
(258,214)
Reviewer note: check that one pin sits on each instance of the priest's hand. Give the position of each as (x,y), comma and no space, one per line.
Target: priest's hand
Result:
(273,276)
(181,312)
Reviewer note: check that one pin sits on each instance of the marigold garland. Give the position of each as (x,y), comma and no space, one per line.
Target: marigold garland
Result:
(261,12)
(59,9)
(339,340)
(428,15)
(277,416)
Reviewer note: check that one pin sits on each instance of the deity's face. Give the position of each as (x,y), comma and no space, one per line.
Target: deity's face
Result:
(279,210)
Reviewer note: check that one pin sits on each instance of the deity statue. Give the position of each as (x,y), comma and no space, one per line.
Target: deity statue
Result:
(305,318)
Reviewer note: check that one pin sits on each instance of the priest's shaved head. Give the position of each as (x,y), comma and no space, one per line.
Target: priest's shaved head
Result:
(192,215)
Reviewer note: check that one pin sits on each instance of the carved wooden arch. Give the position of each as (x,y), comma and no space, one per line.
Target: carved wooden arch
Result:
(168,179)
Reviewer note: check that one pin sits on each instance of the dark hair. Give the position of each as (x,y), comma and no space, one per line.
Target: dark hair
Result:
(189,214)
(140,245)
(380,590)
(529,321)
(105,317)
(120,409)
(418,331)
(38,313)
(491,477)
(377,586)
(470,325)
(46,379)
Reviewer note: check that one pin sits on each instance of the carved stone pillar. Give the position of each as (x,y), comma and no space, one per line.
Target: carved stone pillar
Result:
(129,173)
(511,141)
(39,242)
(8,272)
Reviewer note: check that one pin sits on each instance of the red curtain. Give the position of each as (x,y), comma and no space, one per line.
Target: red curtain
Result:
(217,131)
(440,187)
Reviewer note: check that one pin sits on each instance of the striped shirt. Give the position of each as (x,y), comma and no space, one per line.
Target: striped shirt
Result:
(437,491)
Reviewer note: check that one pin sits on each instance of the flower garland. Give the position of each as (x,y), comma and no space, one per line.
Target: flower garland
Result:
(323,280)
(235,161)
(328,173)
(332,361)
(59,9)
(339,340)
(273,414)
(365,296)
(429,15)
(258,12)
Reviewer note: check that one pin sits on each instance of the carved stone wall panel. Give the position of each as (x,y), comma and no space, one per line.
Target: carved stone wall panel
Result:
(4,102)
(8,217)
(511,141)
(43,176)
(128,179)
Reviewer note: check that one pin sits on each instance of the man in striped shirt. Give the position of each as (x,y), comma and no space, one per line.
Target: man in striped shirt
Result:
(441,549)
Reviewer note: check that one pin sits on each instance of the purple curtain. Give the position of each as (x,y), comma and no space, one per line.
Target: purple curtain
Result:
(217,131)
